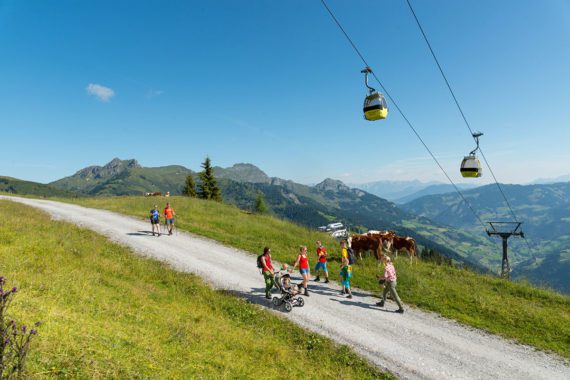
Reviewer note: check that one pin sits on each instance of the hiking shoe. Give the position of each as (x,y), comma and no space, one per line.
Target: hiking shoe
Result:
(400,311)
(381,303)
(317,279)
(349,296)
(327,281)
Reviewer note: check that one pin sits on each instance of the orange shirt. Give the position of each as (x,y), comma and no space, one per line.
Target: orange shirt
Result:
(168,212)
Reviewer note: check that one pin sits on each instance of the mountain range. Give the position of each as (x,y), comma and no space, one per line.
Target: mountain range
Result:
(401,192)
(544,256)
(437,221)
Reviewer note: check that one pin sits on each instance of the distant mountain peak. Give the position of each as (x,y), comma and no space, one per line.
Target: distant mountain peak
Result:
(242,172)
(330,184)
(110,169)
(117,163)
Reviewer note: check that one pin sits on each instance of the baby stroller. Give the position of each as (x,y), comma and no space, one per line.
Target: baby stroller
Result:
(288,292)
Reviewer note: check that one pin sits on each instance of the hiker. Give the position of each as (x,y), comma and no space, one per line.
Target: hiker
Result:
(322,262)
(389,282)
(303,263)
(155,220)
(267,270)
(343,255)
(169,217)
(345,272)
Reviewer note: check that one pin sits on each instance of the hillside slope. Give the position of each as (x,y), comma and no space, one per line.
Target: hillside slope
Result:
(109,314)
(467,353)
(512,309)
(18,186)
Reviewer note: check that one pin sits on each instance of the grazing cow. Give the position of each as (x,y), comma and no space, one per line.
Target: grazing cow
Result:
(405,243)
(155,194)
(363,243)
(386,236)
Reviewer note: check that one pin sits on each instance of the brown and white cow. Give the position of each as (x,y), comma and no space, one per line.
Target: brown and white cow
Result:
(405,243)
(363,243)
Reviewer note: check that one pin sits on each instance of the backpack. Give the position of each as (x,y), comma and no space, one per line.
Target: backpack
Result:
(351,256)
(259,263)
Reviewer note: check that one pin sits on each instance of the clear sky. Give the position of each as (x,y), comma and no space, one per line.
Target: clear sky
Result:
(275,83)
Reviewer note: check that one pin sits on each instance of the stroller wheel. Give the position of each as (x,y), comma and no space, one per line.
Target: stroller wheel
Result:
(276,301)
(300,301)
(288,307)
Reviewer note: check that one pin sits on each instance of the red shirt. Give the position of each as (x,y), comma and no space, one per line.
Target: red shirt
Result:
(268,262)
(322,254)
(303,262)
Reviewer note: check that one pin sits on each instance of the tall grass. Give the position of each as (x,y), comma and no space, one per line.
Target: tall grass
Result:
(518,310)
(108,313)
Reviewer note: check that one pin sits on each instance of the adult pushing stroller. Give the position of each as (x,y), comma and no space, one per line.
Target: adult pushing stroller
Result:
(288,291)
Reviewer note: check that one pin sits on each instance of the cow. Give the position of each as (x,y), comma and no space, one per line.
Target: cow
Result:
(405,243)
(387,236)
(363,243)
(155,194)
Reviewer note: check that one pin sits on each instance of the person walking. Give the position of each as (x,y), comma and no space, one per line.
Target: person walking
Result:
(169,217)
(303,264)
(155,220)
(343,255)
(345,274)
(268,271)
(321,262)
(389,281)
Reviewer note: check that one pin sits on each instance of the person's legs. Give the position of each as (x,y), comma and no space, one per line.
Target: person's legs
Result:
(324,266)
(268,277)
(317,269)
(392,287)
(385,292)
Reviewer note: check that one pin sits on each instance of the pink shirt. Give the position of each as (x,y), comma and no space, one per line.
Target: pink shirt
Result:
(389,272)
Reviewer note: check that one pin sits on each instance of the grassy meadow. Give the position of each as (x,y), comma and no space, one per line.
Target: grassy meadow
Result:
(517,310)
(107,313)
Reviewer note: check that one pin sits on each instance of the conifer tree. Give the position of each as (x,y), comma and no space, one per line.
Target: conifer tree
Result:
(189,189)
(208,188)
(260,206)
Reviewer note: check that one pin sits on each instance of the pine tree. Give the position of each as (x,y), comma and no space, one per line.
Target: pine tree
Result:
(208,188)
(189,189)
(260,206)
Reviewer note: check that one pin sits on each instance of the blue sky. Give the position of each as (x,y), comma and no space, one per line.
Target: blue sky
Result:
(277,85)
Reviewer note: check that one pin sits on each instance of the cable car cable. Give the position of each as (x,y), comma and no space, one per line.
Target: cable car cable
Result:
(464,117)
(402,113)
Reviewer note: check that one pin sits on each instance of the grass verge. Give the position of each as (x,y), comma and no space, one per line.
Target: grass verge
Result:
(108,313)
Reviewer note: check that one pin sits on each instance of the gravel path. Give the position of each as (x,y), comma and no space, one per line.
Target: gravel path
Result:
(415,345)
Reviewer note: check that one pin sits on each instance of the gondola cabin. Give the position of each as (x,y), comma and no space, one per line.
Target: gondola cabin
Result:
(375,107)
(471,167)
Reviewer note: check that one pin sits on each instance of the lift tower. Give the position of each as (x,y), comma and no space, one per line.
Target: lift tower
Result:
(505,235)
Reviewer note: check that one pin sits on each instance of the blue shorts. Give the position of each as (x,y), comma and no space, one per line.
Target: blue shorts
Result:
(346,283)
(170,221)
(322,266)
(304,270)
